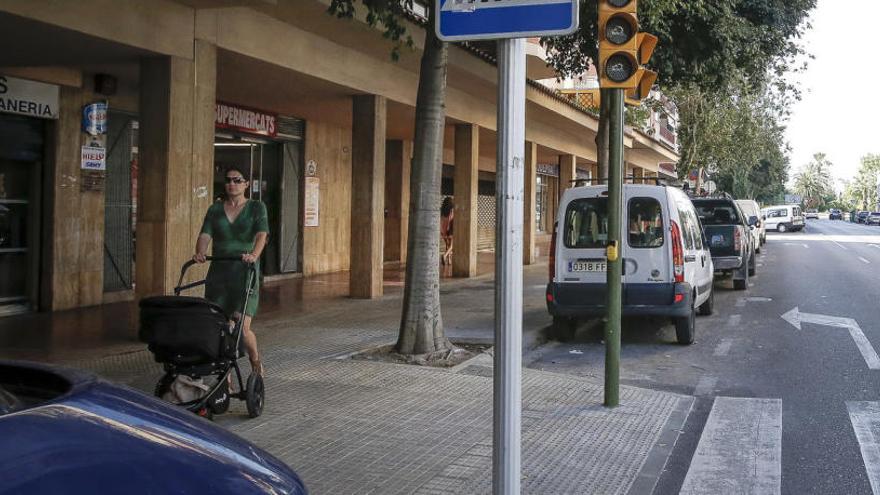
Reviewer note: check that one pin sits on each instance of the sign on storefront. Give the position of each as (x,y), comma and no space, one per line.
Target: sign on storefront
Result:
(94,121)
(31,98)
(312,201)
(94,158)
(245,120)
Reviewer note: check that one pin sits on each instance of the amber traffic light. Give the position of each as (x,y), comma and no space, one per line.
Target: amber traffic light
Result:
(623,49)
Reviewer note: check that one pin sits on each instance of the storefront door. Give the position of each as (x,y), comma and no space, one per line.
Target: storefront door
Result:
(21,155)
(275,180)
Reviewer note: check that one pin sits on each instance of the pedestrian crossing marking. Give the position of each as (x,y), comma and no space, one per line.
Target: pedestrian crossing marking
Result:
(865,419)
(740,450)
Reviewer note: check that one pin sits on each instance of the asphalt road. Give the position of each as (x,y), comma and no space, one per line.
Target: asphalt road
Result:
(747,350)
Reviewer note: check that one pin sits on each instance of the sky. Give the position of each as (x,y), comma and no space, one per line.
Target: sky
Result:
(839,114)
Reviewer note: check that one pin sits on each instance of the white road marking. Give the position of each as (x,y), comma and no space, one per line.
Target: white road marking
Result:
(759,299)
(795,317)
(741,302)
(841,246)
(705,385)
(723,347)
(842,238)
(740,450)
(797,244)
(863,260)
(865,419)
(875,245)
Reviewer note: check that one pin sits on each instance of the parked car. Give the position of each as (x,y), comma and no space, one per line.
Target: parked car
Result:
(835,214)
(862,216)
(873,219)
(668,266)
(783,218)
(750,208)
(66,431)
(730,238)
(812,213)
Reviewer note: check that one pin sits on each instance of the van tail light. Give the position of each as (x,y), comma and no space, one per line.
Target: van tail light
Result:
(677,253)
(552,266)
(737,240)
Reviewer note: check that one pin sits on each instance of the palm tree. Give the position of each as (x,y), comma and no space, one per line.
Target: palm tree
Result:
(813,183)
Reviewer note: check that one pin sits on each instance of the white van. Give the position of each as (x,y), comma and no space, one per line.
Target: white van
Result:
(667,264)
(750,209)
(783,218)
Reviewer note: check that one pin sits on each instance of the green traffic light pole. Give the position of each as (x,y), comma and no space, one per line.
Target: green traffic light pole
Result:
(613,252)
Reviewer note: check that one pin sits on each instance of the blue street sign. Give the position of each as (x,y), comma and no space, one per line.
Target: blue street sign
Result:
(461,20)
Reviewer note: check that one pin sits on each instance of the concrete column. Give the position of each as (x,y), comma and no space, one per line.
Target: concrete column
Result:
(567,172)
(367,195)
(529,201)
(464,240)
(638,173)
(73,247)
(176,164)
(594,170)
(398,161)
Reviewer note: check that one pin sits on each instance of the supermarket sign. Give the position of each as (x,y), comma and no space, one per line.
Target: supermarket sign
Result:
(245,120)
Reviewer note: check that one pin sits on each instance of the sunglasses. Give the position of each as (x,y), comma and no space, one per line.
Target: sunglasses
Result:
(235,180)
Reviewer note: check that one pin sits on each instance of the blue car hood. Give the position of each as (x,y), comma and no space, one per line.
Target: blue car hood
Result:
(103,438)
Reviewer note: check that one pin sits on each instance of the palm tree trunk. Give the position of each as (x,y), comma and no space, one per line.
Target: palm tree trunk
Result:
(421,323)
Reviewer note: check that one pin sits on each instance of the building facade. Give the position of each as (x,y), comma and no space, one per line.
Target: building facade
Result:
(118,118)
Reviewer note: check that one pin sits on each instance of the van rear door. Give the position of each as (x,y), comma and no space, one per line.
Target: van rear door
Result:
(583,238)
(647,254)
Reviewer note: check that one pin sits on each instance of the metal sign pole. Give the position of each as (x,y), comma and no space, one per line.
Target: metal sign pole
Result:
(508,266)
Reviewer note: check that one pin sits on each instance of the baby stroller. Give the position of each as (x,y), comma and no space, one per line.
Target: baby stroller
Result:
(198,348)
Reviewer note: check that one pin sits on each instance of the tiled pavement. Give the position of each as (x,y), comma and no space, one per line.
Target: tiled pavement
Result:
(366,427)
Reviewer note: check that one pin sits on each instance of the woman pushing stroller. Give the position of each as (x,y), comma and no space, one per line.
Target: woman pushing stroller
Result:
(236,227)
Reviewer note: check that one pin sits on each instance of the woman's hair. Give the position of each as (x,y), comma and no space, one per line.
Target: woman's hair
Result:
(239,169)
(447,206)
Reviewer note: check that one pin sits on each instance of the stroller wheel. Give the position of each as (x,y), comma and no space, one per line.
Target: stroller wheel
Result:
(163,385)
(255,396)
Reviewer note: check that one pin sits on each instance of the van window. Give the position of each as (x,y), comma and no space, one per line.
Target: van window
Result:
(586,223)
(645,223)
(717,212)
(797,211)
(777,213)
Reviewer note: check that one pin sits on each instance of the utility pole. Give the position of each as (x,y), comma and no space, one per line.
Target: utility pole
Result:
(613,251)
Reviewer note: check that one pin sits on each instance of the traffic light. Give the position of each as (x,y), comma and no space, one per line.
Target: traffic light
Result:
(623,49)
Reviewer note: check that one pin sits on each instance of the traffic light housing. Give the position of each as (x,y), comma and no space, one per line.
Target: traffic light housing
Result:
(623,49)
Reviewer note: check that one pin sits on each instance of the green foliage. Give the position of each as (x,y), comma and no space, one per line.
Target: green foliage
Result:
(721,62)
(702,42)
(813,183)
(738,139)
(861,192)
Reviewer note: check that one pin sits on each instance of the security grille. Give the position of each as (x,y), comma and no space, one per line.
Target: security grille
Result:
(485,223)
(118,231)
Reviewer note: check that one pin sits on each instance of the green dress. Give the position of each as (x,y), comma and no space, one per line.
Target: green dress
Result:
(226,281)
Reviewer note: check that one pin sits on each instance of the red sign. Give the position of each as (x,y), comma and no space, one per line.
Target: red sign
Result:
(245,120)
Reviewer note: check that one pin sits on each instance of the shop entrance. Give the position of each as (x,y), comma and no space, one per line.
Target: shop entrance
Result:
(21,158)
(276,180)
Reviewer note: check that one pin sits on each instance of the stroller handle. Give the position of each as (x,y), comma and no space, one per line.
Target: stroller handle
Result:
(227,259)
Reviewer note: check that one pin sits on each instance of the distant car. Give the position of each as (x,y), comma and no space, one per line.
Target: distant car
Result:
(812,213)
(861,216)
(750,208)
(873,219)
(783,218)
(835,214)
(65,431)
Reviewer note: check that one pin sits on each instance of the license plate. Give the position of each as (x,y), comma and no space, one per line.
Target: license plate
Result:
(588,266)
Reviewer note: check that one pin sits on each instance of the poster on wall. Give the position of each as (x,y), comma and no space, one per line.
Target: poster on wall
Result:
(312,200)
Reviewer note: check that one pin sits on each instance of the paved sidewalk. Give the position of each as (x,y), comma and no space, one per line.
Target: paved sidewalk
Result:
(366,427)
